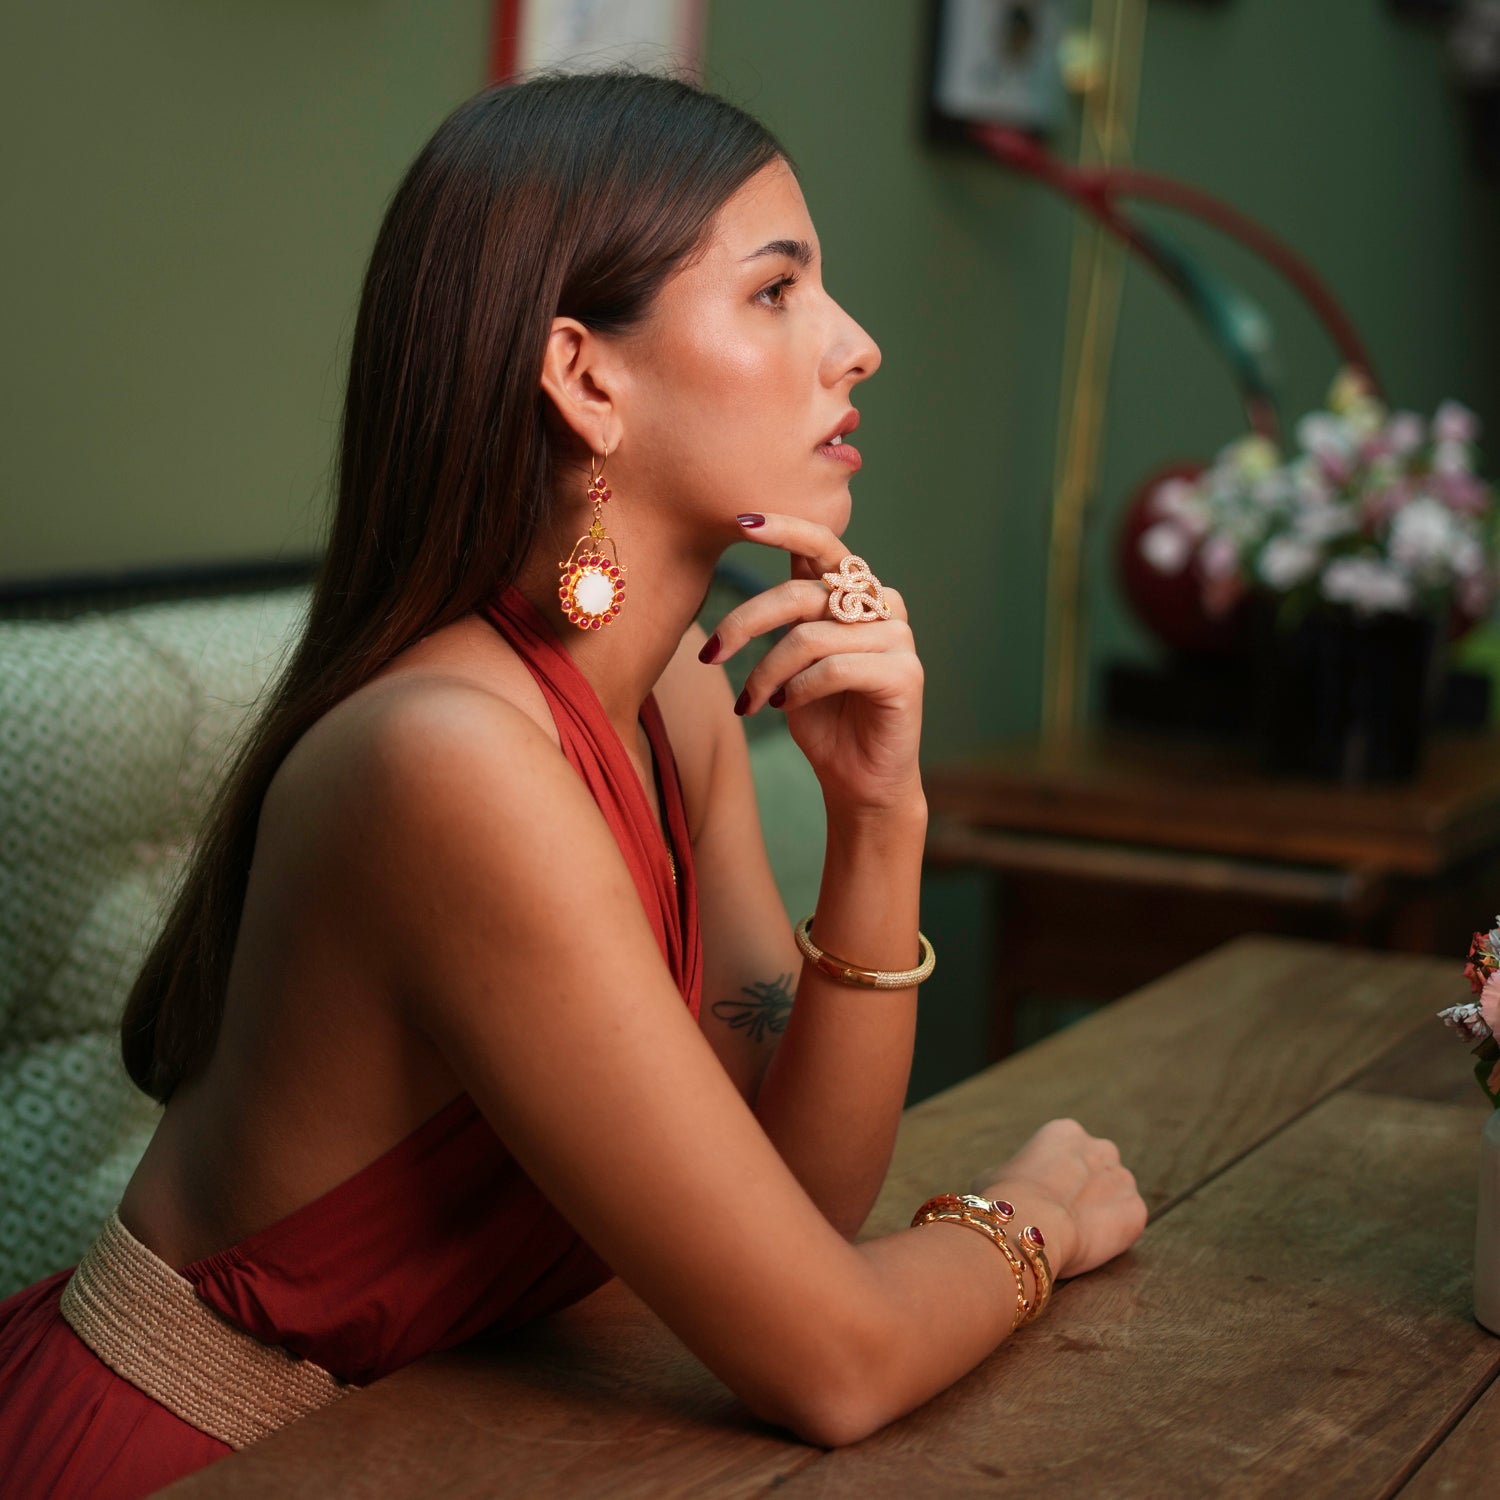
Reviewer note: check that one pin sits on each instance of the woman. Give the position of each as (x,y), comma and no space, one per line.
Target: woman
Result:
(427,1015)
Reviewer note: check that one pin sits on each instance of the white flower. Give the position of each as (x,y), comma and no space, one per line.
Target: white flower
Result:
(1322,522)
(1369,586)
(1425,539)
(1326,436)
(1455,423)
(1166,547)
(1178,500)
(1467,1020)
(1286,562)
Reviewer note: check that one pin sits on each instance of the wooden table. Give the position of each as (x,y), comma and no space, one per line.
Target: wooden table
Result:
(1105,836)
(1296,1318)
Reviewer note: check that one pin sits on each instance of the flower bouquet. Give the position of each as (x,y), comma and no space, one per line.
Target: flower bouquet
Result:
(1355,555)
(1376,512)
(1478,1021)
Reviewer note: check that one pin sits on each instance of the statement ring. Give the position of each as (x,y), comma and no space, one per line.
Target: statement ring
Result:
(855,594)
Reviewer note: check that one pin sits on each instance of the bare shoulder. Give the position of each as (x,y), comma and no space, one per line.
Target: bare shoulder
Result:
(394,786)
(406,735)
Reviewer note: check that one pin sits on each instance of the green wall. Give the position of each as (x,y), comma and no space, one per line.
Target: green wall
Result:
(192,189)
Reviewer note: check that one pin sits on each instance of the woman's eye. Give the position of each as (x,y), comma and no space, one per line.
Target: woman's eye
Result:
(775,294)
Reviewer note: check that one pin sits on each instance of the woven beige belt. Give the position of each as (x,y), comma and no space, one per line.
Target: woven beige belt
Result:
(148,1324)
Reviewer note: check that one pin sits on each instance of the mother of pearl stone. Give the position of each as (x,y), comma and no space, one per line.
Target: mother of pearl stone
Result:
(594,593)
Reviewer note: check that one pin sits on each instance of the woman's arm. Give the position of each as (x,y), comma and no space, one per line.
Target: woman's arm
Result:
(826,1075)
(832,1093)
(486,887)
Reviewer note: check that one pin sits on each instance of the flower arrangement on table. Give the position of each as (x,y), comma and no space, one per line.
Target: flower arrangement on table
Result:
(1378,512)
(1478,1020)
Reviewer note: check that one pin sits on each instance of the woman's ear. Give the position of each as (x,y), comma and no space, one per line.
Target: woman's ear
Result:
(576,377)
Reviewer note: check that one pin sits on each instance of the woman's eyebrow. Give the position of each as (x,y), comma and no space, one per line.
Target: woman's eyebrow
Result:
(799,250)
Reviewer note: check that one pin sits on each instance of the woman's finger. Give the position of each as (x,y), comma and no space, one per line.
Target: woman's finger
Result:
(788,603)
(815,543)
(793,602)
(808,643)
(886,676)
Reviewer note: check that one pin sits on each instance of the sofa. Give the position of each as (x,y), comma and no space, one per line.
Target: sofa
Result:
(114,727)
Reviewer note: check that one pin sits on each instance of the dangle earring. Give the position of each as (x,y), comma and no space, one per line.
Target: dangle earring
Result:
(593,584)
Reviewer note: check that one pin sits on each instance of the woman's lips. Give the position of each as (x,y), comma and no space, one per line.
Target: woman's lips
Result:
(842,453)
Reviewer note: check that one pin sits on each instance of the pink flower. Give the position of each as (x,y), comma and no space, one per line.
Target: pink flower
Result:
(1462,491)
(1454,423)
(1405,433)
(1489,1002)
(1220,557)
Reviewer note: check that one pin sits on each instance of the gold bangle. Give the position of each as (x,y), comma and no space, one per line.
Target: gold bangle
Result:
(989,1217)
(994,1208)
(1031,1243)
(873,979)
(993,1231)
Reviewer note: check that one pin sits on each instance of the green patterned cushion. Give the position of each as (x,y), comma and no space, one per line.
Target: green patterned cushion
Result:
(112,728)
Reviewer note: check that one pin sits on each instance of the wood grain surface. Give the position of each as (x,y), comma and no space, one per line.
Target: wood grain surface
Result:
(1161,790)
(1296,1316)
(1465,1466)
(600,1400)
(1185,1075)
(1300,1324)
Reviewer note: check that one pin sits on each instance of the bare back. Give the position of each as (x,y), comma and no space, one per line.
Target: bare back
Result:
(316,1072)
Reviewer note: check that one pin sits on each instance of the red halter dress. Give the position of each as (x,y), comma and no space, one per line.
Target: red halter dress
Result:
(441,1238)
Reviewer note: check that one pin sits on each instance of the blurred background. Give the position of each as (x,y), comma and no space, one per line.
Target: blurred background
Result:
(192,190)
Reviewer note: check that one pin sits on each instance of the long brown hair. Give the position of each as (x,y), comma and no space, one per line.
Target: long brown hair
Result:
(564,196)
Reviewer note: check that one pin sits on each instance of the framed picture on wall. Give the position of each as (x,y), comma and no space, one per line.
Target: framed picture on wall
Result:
(580,35)
(997,62)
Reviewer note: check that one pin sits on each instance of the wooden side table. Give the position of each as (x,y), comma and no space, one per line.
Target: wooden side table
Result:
(1123,856)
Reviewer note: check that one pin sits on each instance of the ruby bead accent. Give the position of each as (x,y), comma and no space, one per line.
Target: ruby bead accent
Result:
(1034,1234)
(1003,1207)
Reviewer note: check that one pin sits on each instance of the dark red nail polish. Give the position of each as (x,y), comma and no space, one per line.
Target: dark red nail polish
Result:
(710,648)
(777,698)
(751,518)
(742,702)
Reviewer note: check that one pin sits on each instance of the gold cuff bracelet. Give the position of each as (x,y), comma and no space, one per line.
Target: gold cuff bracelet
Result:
(874,979)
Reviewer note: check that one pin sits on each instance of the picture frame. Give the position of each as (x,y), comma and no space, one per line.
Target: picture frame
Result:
(660,36)
(996,62)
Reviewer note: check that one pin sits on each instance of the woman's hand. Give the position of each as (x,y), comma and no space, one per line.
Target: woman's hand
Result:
(852,693)
(1072,1185)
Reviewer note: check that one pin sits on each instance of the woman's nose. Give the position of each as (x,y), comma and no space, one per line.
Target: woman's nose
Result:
(852,351)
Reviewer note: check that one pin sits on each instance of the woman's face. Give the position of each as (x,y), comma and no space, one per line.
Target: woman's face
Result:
(741,374)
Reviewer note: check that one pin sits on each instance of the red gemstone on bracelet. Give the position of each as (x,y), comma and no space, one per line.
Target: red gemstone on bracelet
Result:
(1004,1209)
(1034,1234)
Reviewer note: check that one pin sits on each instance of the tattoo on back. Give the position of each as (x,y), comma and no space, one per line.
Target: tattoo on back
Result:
(763,1010)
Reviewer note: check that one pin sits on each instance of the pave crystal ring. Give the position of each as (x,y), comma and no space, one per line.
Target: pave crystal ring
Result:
(855,594)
